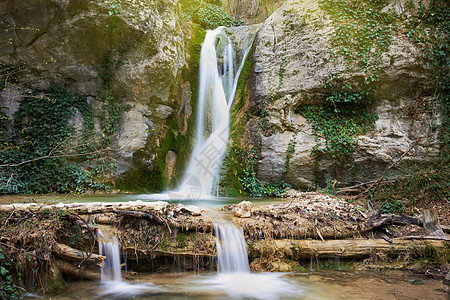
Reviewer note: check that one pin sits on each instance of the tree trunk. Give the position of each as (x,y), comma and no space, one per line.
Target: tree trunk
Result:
(352,248)
(72,270)
(67,252)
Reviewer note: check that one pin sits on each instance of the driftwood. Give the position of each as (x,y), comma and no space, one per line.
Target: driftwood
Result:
(430,221)
(391,219)
(445,228)
(69,269)
(67,252)
(351,248)
(140,214)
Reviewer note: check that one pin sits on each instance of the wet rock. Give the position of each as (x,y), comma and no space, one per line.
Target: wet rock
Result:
(280,266)
(447,279)
(243,210)
(189,209)
(53,280)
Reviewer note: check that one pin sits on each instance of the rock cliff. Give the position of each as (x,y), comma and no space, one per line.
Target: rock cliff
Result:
(137,50)
(298,35)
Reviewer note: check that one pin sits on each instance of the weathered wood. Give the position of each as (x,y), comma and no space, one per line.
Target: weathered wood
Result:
(135,252)
(421,237)
(69,269)
(446,228)
(140,214)
(391,219)
(67,252)
(351,248)
(89,208)
(430,221)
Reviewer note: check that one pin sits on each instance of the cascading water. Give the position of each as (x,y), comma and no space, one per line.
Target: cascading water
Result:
(111,275)
(109,247)
(231,249)
(217,86)
(233,272)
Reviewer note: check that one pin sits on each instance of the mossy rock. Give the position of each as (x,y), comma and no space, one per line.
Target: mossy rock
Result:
(53,281)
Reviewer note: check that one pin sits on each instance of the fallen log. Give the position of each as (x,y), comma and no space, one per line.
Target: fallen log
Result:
(140,214)
(391,219)
(351,248)
(89,208)
(69,269)
(67,252)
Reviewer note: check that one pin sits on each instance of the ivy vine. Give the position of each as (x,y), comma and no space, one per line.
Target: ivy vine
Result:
(363,32)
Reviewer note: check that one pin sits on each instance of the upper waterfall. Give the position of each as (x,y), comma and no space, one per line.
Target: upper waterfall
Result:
(218,78)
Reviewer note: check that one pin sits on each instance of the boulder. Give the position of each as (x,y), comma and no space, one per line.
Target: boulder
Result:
(243,209)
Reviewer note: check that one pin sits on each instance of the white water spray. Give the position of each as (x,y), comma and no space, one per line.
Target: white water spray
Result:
(233,272)
(111,275)
(217,86)
(231,249)
(109,247)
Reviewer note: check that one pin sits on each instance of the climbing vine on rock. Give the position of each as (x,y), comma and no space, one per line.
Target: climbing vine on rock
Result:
(271,97)
(34,154)
(363,32)
(427,25)
(208,14)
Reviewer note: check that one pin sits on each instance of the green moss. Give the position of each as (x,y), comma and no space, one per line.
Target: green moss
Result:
(207,15)
(144,179)
(165,243)
(181,240)
(236,159)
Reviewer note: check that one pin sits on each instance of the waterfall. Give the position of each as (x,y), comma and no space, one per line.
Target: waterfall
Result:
(109,247)
(231,249)
(233,272)
(111,275)
(217,86)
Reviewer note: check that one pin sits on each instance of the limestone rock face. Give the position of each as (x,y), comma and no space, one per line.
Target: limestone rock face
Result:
(299,33)
(65,43)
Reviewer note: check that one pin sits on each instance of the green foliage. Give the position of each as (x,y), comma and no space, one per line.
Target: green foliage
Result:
(289,152)
(40,129)
(330,187)
(8,289)
(253,186)
(417,184)
(428,27)
(336,129)
(270,98)
(363,30)
(165,243)
(208,14)
(113,11)
(181,240)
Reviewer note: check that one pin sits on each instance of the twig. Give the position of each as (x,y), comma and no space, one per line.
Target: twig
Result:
(93,239)
(377,182)
(201,2)
(53,156)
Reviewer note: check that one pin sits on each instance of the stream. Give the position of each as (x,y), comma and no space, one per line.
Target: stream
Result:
(321,284)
